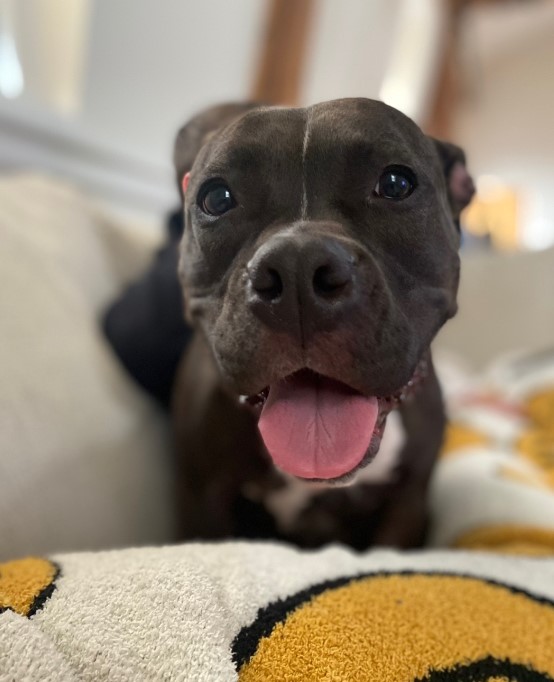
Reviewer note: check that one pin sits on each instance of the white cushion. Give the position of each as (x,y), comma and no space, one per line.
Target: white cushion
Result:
(506,304)
(84,457)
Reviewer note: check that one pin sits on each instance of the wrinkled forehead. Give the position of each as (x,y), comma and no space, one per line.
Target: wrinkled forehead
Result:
(364,122)
(339,128)
(258,135)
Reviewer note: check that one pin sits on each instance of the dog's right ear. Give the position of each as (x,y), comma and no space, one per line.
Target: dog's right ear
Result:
(196,132)
(459,182)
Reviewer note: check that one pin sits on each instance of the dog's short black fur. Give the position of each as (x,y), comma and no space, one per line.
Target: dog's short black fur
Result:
(321,239)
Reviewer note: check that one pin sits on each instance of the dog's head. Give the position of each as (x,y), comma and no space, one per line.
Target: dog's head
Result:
(319,259)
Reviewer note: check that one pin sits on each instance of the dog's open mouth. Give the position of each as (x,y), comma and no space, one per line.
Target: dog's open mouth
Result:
(318,428)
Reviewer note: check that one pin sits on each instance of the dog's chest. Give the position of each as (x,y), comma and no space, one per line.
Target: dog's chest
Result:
(288,501)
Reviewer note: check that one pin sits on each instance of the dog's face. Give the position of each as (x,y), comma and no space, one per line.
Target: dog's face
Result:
(320,258)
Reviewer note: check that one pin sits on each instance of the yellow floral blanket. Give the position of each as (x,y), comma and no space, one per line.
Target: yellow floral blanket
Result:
(494,486)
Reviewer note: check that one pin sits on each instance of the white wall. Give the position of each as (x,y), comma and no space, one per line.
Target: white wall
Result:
(349,49)
(147,65)
(152,63)
(382,49)
(143,68)
(53,44)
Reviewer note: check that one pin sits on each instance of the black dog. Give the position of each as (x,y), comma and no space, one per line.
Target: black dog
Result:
(319,260)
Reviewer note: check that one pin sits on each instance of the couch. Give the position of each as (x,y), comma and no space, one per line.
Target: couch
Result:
(85,465)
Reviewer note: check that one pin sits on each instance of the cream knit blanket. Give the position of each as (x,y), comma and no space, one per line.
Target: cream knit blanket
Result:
(264,612)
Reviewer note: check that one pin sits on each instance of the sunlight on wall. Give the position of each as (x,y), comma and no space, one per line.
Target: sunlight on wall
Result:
(52,41)
(11,73)
(414,61)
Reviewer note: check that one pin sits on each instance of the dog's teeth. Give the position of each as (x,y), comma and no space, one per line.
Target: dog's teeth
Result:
(256,400)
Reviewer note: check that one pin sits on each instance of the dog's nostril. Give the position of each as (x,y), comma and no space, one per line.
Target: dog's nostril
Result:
(329,280)
(267,283)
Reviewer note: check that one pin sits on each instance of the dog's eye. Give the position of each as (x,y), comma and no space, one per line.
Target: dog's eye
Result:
(396,182)
(216,199)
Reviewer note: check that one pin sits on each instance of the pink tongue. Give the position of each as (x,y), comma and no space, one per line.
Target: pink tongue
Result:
(315,427)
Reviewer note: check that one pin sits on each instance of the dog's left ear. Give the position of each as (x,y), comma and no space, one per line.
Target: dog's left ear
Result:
(197,131)
(459,182)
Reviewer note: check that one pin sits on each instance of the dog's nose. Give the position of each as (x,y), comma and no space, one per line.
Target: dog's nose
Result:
(302,284)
